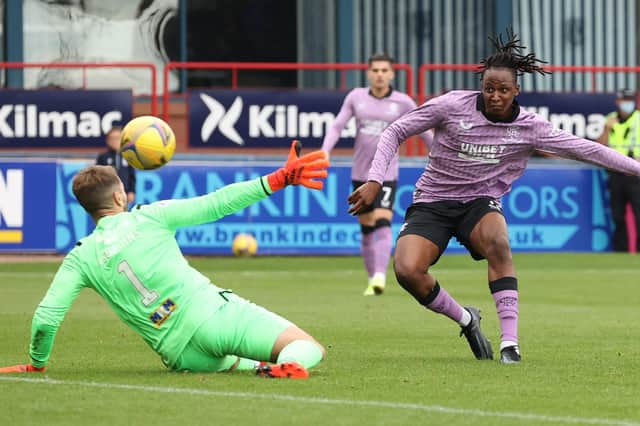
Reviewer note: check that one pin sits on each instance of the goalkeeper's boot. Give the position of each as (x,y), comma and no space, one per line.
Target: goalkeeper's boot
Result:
(22,368)
(480,345)
(510,355)
(376,285)
(284,370)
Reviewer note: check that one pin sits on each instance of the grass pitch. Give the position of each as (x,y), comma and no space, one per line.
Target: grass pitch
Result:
(390,362)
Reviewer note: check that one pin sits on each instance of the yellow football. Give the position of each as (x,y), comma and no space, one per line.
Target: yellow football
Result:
(147,142)
(244,245)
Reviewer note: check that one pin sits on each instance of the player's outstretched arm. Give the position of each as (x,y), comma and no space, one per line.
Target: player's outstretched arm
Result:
(564,144)
(298,170)
(333,133)
(306,171)
(64,289)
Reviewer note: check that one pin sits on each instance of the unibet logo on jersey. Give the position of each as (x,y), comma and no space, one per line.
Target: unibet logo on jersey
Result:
(256,117)
(11,206)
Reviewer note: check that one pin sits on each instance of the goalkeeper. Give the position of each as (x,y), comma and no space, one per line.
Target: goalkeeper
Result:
(133,261)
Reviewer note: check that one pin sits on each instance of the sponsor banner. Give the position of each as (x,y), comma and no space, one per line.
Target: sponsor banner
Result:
(60,118)
(582,114)
(551,208)
(558,209)
(265,118)
(72,221)
(27,206)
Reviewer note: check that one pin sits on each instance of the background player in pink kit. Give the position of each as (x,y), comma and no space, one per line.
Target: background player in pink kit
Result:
(482,142)
(374,108)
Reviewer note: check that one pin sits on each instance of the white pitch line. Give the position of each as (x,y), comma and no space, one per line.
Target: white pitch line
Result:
(329,401)
(26,274)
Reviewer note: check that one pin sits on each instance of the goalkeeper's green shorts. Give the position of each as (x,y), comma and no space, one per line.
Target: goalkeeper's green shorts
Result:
(238,329)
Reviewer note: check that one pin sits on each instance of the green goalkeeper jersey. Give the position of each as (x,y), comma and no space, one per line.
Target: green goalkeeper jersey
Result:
(133,261)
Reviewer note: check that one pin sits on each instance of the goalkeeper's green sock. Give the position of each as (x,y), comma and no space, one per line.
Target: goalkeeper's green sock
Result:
(246,364)
(304,352)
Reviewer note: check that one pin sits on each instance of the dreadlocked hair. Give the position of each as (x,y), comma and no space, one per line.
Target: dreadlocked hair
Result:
(508,56)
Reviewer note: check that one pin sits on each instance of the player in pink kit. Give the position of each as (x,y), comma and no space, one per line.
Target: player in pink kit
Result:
(482,143)
(374,108)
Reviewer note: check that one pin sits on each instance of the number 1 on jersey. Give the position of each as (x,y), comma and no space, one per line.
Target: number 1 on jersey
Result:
(148,297)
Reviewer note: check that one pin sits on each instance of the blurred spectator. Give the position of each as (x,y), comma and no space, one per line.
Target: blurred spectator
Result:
(622,133)
(112,157)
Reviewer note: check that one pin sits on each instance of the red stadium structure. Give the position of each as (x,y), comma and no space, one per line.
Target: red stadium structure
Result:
(86,65)
(588,69)
(592,70)
(414,147)
(236,67)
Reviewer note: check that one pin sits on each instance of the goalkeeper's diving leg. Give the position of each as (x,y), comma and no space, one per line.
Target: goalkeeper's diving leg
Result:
(244,336)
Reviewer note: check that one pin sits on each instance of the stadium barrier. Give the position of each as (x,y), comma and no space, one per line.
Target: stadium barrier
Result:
(562,119)
(553,207)
(235,67)
(593,70)
(413,147)
(84,66)
(426,70)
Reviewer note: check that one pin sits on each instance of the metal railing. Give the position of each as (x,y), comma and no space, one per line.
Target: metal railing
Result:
(84,66)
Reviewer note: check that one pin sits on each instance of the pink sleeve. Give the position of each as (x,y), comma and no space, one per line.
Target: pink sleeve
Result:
(564,144)
(427,136)
(333,134)
(417,121)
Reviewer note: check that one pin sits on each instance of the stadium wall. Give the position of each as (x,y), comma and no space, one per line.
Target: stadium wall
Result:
(559,206)
(565,210)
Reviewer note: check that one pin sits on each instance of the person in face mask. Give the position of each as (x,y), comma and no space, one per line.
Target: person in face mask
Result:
(622,133)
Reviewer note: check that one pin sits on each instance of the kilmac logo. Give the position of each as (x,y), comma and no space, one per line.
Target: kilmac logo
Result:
(11,206)
(223,120)
(266,121)
(19,121)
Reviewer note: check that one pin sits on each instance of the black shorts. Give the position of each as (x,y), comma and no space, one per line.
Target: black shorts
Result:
(440,220)
(386,197)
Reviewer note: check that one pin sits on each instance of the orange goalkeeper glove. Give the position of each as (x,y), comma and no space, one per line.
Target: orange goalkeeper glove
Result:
(300,170)
(22,368)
